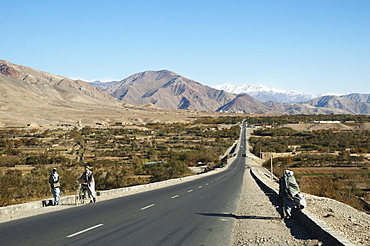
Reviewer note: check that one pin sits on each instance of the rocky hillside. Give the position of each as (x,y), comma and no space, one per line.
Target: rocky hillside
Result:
(300,108)
(23,82)
(351,106)
(365,98)
(246,104)
(166,89)
(36,98)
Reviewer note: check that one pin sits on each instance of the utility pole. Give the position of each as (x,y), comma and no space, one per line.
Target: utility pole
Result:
(260,154)
(272,174)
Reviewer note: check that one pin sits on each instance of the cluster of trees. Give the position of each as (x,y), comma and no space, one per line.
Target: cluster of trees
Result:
(117,155)
(324,141)
(286,119)
(219,120)
(16,187)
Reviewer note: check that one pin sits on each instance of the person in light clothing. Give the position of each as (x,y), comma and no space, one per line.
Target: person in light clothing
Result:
(289,193)
(55,185)
(87,179)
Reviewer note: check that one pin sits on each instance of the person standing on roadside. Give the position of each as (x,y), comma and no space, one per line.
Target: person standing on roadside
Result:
(288,193)
(87,179)
(55,185)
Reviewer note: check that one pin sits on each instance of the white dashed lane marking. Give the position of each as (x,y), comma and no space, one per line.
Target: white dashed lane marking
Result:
(88,229)
(151,205)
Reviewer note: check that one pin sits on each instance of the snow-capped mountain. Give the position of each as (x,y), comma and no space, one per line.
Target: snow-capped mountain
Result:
(238,89)
(265,94)
(102,84)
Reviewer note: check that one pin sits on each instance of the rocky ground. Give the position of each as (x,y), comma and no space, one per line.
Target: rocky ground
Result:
(351,223)
(258,220)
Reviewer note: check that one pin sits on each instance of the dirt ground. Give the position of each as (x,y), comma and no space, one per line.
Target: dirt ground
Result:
(80,114)
(344,219)
(320,126)
(258,220)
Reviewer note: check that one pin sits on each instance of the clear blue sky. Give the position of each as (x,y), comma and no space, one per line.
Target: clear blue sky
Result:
(312,46)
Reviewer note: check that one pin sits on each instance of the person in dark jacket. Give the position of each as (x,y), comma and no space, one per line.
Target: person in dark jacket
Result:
(87,179)
(55,185)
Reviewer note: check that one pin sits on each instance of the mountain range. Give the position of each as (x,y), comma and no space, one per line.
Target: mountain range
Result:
(102,85)
(265,94)
(167,89)
(27,91)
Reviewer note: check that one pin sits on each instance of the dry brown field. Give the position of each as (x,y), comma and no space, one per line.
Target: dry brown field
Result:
(326,181)
(23,168)
(326,170)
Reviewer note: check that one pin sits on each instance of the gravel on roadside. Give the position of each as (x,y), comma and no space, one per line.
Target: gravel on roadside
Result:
(344,219)
(258,221)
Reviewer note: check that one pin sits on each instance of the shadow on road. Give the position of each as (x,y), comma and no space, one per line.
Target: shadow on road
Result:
(239,217)
(297,230)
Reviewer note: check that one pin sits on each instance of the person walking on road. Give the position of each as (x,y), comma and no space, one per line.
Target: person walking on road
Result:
(289,193)
(55,185)
(87,179)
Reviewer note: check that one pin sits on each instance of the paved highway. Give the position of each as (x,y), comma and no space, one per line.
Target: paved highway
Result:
(191,213)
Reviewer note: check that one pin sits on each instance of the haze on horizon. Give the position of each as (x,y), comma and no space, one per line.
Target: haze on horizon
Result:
(312,47)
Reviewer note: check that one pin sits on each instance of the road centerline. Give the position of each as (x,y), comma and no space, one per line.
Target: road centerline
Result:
(174,196)
(86,230)
(151,205)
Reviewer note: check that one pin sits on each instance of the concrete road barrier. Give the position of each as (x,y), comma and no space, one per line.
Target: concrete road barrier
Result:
(104,194)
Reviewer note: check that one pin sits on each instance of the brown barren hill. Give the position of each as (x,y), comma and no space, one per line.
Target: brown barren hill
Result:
(43,100)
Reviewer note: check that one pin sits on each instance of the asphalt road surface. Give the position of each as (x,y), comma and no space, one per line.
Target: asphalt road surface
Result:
(191,213)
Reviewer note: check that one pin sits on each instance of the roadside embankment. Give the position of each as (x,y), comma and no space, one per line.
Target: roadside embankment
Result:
(306,217)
